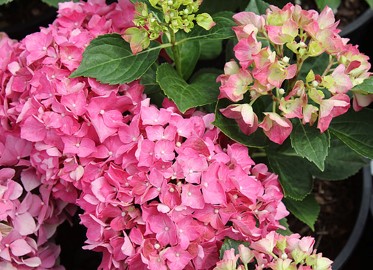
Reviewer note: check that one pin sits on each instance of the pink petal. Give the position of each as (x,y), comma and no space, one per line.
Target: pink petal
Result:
(29,180)
(15,190)
(25,224)
(32,262)
(49,256)
(33,130)
(127,247)
(191,196)
(20,247)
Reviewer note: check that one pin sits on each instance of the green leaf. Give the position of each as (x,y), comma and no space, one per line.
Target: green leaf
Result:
(54,3)
(333,4)
(229,49)
(230,243)
(231,129)
(366,87)
(370,3)
(148,79)
(189,53)
(293,171)
(317,64)
(210,49)
(203,90)
(286,231)
(308,142)
(341,162)
(3,2)
(257,6)
(306,210)
(109,59)
(222,29)
(143,1)
(355,129)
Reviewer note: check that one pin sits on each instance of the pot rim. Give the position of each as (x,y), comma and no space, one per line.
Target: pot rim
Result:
(363,19)
(360,223)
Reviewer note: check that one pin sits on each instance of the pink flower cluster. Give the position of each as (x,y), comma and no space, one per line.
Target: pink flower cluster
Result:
(158,189)
(41,111)
(29,217)
(276,252)
(266,67)
(171,194)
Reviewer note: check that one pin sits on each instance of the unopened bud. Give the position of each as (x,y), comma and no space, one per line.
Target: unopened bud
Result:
(284,256)
(286,59)
(315,84)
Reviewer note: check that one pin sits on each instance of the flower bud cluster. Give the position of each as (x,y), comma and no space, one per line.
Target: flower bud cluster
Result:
(273,52)
(164,16)
(276,252)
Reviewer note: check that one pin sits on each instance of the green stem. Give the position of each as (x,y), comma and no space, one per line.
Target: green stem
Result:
(279,50)
(253,100)
(331,62)
(292,82)
(258,154)
(175,52)
(274,105)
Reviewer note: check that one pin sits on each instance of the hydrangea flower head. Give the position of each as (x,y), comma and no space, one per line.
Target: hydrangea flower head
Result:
(266,68)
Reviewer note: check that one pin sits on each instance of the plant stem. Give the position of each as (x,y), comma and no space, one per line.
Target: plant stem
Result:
(300,61)
(258,154)
(327,69)
(175,51)
(274,105)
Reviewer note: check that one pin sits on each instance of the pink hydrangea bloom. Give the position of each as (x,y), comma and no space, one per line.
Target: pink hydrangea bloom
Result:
(200,194)
(48,122)
(275,251)
(265,70)
(29,216)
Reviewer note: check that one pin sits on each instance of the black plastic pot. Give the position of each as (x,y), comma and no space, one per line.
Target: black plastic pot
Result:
(352,30)
(361,220)
(358,32)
